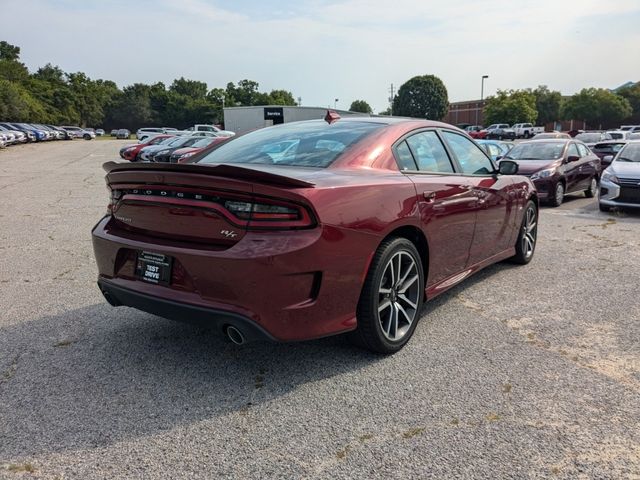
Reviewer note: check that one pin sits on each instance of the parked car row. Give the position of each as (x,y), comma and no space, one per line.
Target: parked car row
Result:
(12,133)
(168,148)
(197,130)
(503,131)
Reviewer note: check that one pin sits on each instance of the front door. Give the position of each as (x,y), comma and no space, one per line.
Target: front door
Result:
(446,202)
(496,200)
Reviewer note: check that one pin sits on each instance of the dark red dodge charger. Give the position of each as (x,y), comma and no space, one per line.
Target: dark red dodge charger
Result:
(309,229)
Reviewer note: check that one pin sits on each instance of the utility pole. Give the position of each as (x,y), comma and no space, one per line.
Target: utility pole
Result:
(391,97)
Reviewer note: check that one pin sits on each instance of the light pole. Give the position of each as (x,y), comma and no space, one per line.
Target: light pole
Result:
(335,103)
(481,96)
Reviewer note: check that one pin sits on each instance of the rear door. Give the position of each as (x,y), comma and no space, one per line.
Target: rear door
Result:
(446,202)
(572,169)
(496,204)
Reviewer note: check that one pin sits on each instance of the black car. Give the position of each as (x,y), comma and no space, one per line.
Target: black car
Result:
(164,155)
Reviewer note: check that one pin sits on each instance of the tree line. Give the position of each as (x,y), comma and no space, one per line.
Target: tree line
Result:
(53,96)
(598,107)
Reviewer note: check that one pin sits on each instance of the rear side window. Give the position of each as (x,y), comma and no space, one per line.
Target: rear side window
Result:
(471,159)
(429,153)
(404,157)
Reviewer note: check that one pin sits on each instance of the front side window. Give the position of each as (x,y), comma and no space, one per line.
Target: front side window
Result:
(584,151)
(429,153)
(573,151)
(470,157)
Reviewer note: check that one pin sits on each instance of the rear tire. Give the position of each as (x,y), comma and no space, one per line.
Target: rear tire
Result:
(528,236)
(391,299)
(604,208)
(558,195)
(592,191)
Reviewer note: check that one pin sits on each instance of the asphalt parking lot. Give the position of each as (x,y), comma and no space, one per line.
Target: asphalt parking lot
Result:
(519,372)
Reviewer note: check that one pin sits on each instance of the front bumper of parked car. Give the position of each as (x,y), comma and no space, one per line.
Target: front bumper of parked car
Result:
(625,195)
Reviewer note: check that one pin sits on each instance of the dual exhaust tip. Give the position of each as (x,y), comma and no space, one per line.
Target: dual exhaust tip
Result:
(234,335)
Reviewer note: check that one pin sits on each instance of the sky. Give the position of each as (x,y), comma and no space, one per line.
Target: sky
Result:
(321,50)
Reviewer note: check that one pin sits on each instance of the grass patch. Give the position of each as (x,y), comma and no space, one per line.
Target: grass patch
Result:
(22,467)
(413,432)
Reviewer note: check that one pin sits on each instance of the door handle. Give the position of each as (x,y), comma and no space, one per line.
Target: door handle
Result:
(429,196)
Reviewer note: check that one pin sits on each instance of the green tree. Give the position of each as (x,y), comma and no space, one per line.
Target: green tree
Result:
(547,104)
(17,104)
(9,52)
(190,88)
(281,97)
(360,106)
(422,97)
(632,95)
(598,107)
(511,106)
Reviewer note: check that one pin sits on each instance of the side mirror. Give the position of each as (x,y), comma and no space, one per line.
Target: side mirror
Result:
(507,167)
(573,158)
(608,158)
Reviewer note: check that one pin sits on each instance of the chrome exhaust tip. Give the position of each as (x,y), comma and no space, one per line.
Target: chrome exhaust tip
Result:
(235,335)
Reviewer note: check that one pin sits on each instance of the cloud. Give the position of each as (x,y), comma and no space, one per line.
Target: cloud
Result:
(322,50)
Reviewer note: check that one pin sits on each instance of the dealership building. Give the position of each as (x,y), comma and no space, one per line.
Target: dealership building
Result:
(243,119)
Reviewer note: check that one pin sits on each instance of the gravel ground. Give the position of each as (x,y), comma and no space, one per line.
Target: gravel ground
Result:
(519,372)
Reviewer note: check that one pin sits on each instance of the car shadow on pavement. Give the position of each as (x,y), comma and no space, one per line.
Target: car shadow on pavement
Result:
(94,376)
(98,375)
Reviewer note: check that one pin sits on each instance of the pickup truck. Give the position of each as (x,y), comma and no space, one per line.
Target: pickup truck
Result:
(526,130)
(210,128)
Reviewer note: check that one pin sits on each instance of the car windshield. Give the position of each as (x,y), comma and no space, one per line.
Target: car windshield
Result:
(630,153)
(536,151)
(305,144)
(616,135)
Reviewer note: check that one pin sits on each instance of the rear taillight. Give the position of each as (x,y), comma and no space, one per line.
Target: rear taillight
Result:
(241,210)
(270,215)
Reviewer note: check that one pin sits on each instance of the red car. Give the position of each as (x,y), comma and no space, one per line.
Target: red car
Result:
(309,229)
(182,155)
(130,152)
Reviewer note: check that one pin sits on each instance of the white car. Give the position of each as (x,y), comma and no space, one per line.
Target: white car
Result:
(630,128)
(619,182)
(210,128)
(619,134)
(78,132)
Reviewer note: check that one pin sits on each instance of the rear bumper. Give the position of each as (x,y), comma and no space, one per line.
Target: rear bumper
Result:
(293,285)
(162,307)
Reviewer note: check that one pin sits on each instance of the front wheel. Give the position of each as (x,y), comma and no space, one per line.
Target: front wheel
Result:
(391,298)
(528,236)
(592,191)
(558,195)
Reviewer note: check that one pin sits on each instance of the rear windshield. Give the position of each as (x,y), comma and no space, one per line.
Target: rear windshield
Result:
(616,135)
(592,137)
(607,147)
(536,151)
(304,144)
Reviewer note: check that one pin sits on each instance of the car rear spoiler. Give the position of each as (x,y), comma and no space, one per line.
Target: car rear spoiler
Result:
(220,170)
